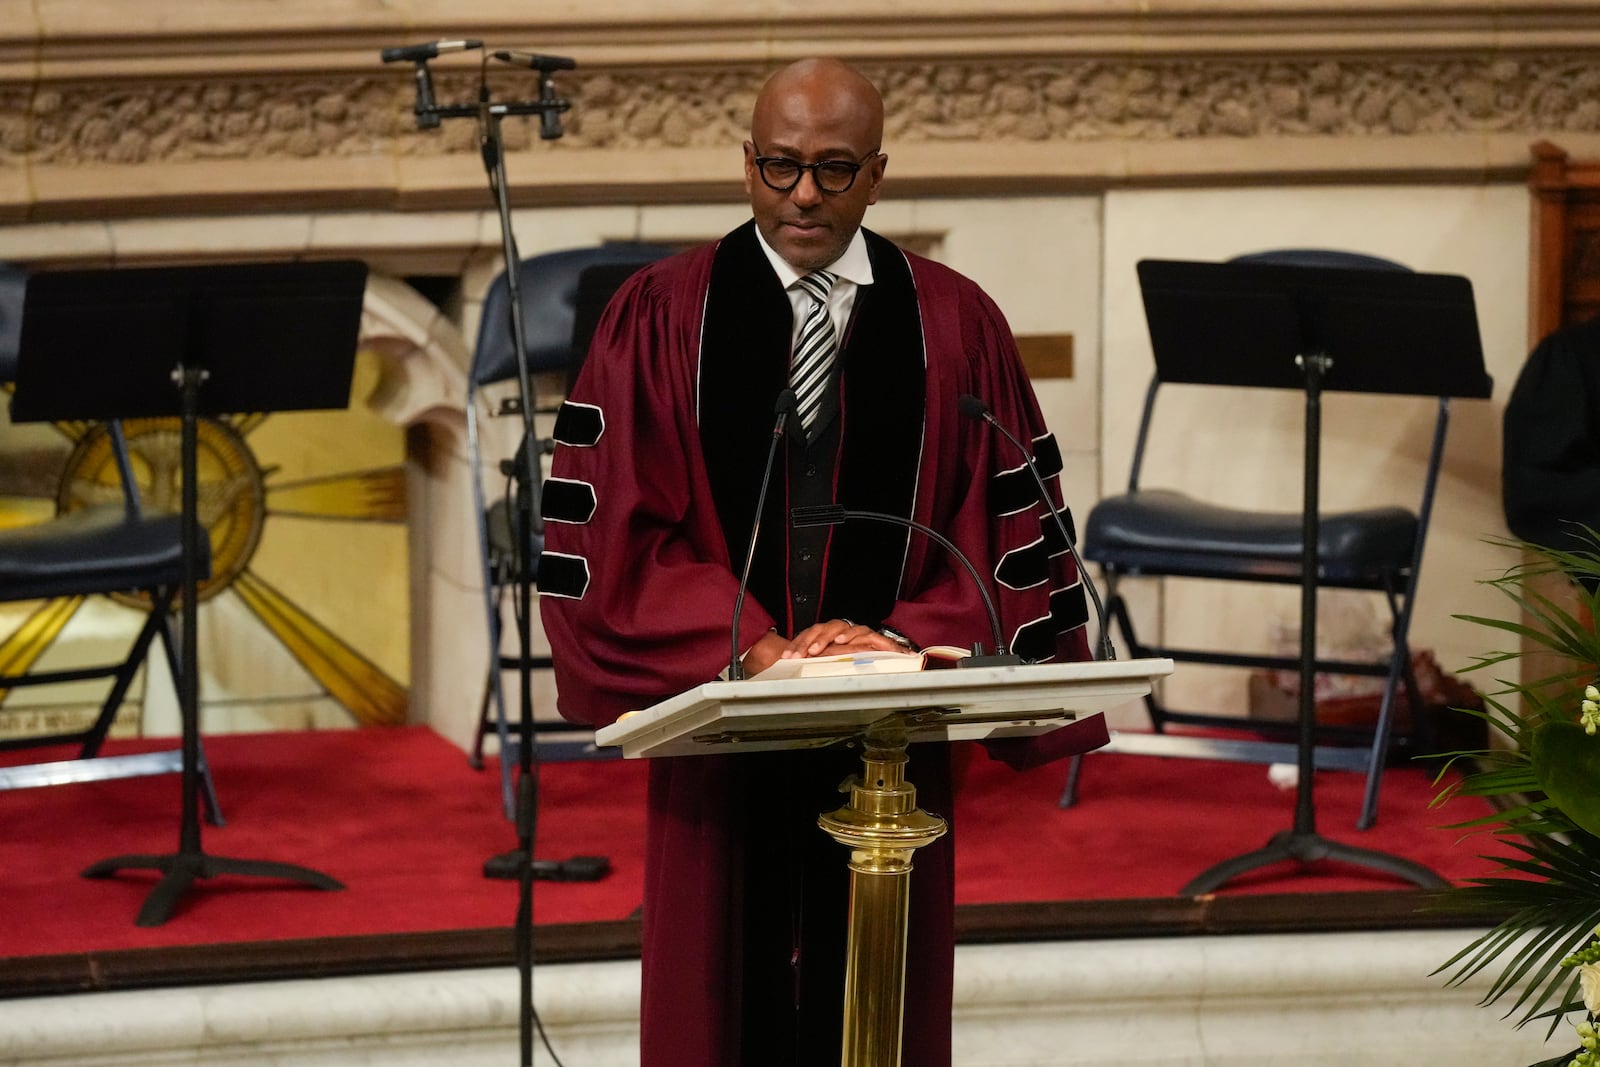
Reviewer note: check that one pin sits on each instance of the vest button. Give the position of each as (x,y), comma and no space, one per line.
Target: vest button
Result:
(811,470)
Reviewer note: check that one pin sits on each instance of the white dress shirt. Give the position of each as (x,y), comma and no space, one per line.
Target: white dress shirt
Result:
(853,269)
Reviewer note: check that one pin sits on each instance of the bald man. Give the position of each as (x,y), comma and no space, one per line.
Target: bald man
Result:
(660,456)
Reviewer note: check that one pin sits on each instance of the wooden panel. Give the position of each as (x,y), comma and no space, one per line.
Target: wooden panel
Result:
(1564,289)
(1046,355)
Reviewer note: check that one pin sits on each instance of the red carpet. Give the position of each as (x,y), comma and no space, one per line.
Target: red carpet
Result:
(399,817)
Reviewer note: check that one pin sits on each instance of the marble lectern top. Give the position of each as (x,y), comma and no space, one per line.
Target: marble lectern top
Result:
(955,704)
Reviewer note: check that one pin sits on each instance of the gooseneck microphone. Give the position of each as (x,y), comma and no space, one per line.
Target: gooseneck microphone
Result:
(833,514)
(421,53)
(976,410)
(784,410)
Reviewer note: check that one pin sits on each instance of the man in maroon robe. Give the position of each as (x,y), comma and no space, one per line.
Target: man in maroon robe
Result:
(660,454)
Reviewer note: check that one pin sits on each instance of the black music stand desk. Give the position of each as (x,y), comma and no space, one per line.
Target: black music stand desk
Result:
(182,341)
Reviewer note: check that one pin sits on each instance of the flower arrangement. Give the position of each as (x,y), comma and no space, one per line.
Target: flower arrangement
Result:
(1545,782)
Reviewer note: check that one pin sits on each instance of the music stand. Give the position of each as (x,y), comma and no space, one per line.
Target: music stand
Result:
(1313,329)
(180,341)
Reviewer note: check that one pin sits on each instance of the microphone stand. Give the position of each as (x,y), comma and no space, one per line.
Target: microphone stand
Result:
(549,108)
(1302,843)
(784,411)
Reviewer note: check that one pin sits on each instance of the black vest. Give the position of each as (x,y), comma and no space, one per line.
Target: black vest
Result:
(865,458)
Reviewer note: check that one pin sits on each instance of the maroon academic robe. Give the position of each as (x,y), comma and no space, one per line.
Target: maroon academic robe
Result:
(659,453)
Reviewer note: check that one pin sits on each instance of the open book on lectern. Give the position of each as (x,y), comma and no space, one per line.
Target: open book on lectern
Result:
(966,704)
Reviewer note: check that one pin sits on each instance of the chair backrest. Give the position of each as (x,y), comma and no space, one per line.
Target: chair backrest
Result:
(13,293)
(563,294)
(1320,257)
(13,287)
(596,286)
(549,309)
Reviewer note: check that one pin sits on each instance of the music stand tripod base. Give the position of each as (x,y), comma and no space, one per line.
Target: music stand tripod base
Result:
(182,869)
(508,865)
(1297,846)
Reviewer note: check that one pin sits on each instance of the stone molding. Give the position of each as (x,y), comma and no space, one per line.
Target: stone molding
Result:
(55,39)
(1317,1000)
(1030,96)
(1074,100)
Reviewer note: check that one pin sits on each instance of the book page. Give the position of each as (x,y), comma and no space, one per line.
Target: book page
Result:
(846,663)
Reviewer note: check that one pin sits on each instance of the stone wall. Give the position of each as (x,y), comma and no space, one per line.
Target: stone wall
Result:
(1041,146)
(262,105)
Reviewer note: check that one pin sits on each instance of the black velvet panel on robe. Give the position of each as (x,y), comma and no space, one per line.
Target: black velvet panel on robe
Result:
(791,902)
(744,364)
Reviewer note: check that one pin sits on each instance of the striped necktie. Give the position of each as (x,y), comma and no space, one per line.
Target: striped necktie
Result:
(814,350)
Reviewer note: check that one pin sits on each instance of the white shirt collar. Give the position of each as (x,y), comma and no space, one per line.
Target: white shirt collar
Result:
(853,265)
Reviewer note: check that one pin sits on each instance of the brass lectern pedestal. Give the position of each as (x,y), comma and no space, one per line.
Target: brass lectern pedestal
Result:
(881,825)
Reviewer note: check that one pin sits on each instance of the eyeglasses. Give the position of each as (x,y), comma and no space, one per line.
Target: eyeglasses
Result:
(781,174)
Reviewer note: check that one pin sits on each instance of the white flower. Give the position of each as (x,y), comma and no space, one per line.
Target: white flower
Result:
(1589,983)
(1589,710)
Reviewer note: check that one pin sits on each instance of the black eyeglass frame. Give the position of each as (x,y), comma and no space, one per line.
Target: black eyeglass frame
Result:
(816,168)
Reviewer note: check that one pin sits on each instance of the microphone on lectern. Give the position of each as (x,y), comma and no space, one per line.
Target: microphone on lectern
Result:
(833,514)
(976,410)
(783,411)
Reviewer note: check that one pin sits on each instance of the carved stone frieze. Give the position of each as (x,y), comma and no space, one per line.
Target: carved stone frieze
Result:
(1071,100)
(98,123)
(1102,99)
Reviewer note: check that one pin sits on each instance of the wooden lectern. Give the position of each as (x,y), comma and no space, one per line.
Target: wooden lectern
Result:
(881,825)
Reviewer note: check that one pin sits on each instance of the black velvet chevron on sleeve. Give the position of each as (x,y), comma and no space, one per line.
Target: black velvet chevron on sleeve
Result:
(568,500)
(579,425)
(1036,641)
(563,575)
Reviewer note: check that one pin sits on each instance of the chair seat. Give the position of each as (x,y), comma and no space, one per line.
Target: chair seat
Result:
(94,550)
(1165,529)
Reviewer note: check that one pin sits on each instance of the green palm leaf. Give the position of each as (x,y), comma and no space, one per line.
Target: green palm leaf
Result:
(1547,886)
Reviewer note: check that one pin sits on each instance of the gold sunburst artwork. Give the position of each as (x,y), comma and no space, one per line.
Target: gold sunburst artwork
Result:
(304,619)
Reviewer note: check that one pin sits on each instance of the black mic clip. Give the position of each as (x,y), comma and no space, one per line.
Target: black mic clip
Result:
(549,105)
(426,107)
(550,108)
(979,659)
